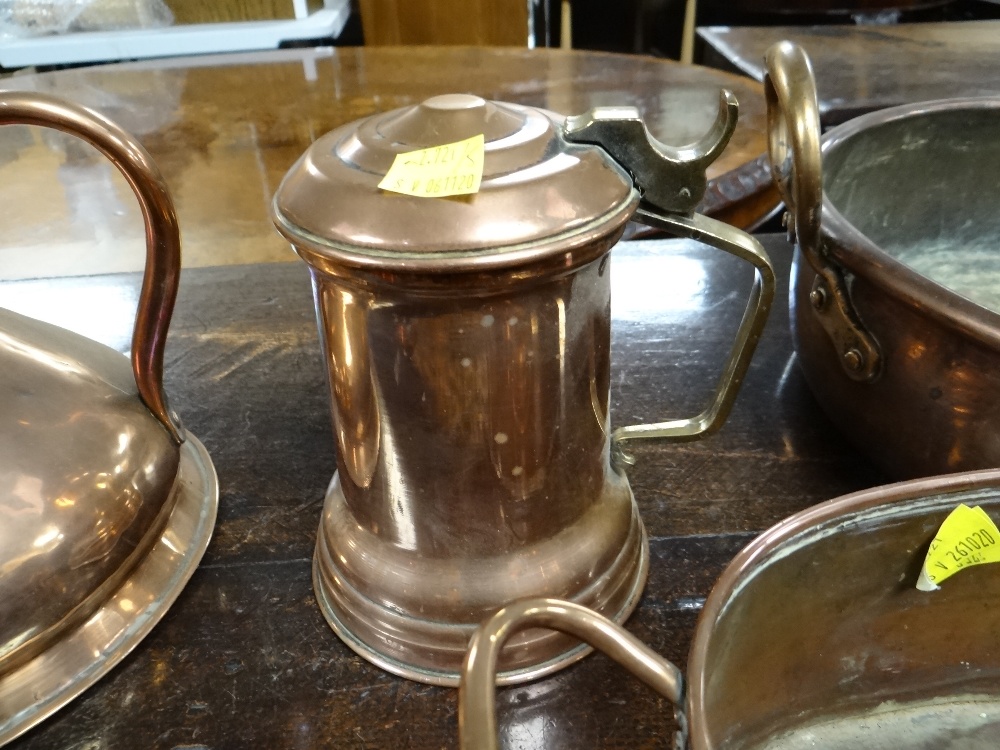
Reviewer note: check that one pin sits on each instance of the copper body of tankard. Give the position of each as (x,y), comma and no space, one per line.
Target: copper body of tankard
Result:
(467,342)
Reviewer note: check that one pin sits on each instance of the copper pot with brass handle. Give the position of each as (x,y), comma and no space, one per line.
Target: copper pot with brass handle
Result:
(894,303)
(467,341)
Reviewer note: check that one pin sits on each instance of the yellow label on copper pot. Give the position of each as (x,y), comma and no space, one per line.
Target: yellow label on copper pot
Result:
(438,172)
(967,537)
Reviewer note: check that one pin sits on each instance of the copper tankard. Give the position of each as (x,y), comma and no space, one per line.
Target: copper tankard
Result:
(467,343)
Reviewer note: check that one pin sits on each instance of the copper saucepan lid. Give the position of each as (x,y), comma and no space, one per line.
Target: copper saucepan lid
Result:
(106,502)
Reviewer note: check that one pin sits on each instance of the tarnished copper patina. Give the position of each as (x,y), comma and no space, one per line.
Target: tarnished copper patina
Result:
(467,342)
(895,294)
(106,502)
(814,636)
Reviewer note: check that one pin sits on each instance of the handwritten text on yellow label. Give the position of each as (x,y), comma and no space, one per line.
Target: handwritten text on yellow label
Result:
(449,169)
(967,537)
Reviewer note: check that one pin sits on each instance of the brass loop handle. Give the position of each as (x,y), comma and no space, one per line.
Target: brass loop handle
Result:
(793,134)
(477,726)
(796,165)
(163,259)
(742,245)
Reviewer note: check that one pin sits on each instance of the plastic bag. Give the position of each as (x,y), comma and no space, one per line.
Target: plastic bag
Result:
(27,18)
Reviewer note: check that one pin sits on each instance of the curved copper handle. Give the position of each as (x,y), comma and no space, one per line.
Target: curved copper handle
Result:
(163,254)
(793,139)
(477,726)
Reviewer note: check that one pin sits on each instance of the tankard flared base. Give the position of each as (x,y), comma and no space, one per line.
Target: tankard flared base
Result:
(413,615)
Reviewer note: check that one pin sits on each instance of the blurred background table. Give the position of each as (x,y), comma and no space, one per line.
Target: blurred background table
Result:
(862,68)
(225,129)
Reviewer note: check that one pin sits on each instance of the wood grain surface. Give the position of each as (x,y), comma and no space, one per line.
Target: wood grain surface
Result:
(244,658)
(224,130)
(862,68)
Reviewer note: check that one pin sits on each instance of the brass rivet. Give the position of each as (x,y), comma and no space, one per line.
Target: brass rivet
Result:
(818,297)
(853,360)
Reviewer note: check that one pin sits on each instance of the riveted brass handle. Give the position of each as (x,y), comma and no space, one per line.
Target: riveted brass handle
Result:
(163,260)
(793,134)
(793,139)
(477,726)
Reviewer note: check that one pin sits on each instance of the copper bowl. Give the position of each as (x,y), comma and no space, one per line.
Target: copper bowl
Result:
(895,287)
(814,636)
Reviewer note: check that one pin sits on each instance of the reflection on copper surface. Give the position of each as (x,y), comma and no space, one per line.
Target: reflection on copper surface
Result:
(489,460)
(355,407)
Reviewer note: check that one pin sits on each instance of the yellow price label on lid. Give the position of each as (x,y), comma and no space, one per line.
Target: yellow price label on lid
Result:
(438,172)
(967,537)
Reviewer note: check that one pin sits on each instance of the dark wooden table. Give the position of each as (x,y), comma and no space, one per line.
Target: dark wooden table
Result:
(225,129)
(863,68)
(244,659)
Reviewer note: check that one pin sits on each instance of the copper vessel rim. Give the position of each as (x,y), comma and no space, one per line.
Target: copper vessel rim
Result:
(314,248)
(751,557)
(861,256)
(99,597)
(168,565)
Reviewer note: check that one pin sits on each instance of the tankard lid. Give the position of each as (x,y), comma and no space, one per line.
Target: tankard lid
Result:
(536,188)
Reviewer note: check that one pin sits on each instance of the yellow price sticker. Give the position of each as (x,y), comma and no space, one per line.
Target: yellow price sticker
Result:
(967,537)
(438,172)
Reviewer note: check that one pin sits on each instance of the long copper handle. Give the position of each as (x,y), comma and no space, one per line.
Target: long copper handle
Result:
(163,253)
(477,726)
(793,138)
(743,246)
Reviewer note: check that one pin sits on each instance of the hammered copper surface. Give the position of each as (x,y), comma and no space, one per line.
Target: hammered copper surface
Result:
(224,130)
(245,658)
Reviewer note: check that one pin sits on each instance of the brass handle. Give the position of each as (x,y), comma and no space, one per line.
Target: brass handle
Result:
(673,181)
(793,138)
(477,726)
(163,258)
(743,246)
(793,133)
